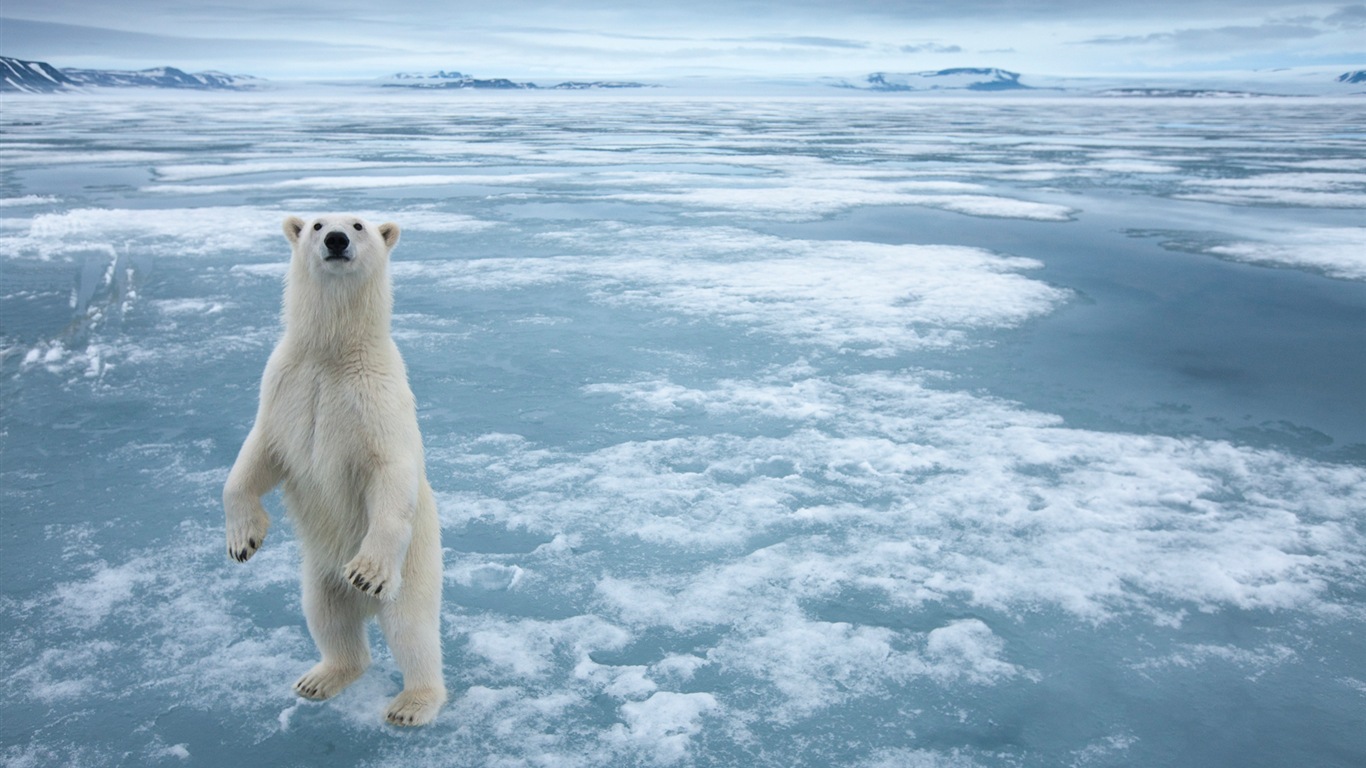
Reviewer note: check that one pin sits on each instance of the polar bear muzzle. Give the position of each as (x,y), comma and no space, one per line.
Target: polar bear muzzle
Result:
(337,247)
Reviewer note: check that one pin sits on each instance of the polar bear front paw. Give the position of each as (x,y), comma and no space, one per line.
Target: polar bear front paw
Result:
(369,576)
(246,534)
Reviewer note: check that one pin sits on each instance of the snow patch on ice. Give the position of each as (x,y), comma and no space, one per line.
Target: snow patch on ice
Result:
(1325,190)
(490,577)
(193,642)
(663,725)
(174,172)
(188,306)
(1337,252)
(1255,660)
(166,232)
(364,182)
(864,297)
(26,200)
(803,202)
(528,648)
(187,232)
(968,649)
(1097,524)
(919,758)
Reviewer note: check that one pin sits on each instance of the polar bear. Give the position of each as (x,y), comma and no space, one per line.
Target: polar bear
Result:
(337,427)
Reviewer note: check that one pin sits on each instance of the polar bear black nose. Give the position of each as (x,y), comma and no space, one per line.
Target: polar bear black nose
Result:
(336,241)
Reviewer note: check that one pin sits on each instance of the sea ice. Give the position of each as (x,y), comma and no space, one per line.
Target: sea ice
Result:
(711,394)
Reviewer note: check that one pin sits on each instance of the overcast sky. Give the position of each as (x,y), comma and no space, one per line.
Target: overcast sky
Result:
(539,39)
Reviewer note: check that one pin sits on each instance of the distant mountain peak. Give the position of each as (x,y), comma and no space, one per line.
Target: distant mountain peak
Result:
(1353,78)
(17,75)
(991,72)
(160,77)
(442,80)
(954,79)
(438,75)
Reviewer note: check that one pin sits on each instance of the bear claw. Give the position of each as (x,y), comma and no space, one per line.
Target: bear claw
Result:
(246,532)
(367,576)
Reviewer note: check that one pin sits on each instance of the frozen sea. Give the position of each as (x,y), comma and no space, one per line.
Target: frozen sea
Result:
(826,430)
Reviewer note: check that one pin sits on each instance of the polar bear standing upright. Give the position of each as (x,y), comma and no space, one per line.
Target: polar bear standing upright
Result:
(337,426)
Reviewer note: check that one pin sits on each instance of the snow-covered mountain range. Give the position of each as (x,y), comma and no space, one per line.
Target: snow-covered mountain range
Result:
(17,75)
(444,79)
(1287,82)
(957,79)
(161,77)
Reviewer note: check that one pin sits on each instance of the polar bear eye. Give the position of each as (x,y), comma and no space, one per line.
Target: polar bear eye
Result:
(317,226)
(357,226)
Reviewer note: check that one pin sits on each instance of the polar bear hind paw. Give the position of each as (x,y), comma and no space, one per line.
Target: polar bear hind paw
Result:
(325,680)
(415,707)
(366,575)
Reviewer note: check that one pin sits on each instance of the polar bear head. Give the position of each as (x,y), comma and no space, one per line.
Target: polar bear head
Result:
(340,244)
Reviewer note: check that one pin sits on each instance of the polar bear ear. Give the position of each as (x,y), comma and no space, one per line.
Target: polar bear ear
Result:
(389,231)
(293,226)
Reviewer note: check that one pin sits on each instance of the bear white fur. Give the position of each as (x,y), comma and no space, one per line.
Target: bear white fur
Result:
(337,427)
